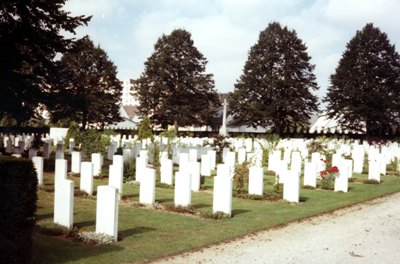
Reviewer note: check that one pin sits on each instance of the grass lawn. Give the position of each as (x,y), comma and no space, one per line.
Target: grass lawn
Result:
(148,233)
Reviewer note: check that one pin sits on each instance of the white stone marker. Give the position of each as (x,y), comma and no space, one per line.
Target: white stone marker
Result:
(166,171)
(96,160)
(183,161)
(342,179)
(38,163)
(76,157)
(64,203)
(291,187)
(296,162)
(107,211)
(374,170)
(310,174)
(86,183)
(147,194)
(192,154)
(115,177)
(205,167)
(182,192)
(141,165)
(241,155)
(127,154)
(256,180)
(230,159)
(60,171)
(213,157)
(194,169)
(222,194)
(71,145)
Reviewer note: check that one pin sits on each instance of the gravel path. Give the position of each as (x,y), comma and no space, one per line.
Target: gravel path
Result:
(365,233)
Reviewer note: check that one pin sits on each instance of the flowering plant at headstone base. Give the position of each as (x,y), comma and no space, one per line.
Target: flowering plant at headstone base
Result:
(328,177)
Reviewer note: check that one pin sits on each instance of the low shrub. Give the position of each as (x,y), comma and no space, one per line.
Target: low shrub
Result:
(179,209)
(129,169)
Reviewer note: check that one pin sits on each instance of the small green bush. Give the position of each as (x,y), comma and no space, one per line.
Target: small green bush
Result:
(92,141)
(145,130)
(129,169)
(179,209)
(241,177)
(18,196)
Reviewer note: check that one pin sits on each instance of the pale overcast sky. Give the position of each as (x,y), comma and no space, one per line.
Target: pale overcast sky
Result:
(224,30)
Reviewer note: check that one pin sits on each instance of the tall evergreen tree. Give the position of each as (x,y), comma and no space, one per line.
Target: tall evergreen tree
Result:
(174,88)
(275,87)
(30,38)
(87,90)
(365,88)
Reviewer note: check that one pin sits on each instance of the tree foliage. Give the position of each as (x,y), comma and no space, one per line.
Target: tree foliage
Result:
(365,88)
(30,38)
(276,84)
(145,130)
(174,88)
(87,90)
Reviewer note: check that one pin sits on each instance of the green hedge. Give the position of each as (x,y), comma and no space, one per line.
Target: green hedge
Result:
(18,196)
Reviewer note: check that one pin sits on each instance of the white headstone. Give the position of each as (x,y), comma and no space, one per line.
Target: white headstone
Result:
(205,167)
(166,171)
(107,211)
(60,171)
(213,156)
(141,165)
(241,155)
(148,187)
(183,192)
(310,174)
(64,203)
(86,183)
(374,170)
(115,177)
(194,169)
(256,180)
(291,187)
(96,160)
(76,162)
(38,163)
(342,179)
(222,194)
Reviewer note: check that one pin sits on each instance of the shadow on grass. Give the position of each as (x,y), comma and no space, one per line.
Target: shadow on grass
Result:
(135,195)
(166,200)
(303,199)
(239,211)
(134,231)
(85,224)
(198,206)
(54,250)
(44,216)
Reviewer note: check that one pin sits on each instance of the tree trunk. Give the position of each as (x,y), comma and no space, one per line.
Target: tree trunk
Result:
(84,121)
(176,127)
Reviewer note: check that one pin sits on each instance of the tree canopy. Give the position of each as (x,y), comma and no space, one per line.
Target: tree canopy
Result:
(174,87)
(365,88)
(275,87)
(30,38)
(87,89)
